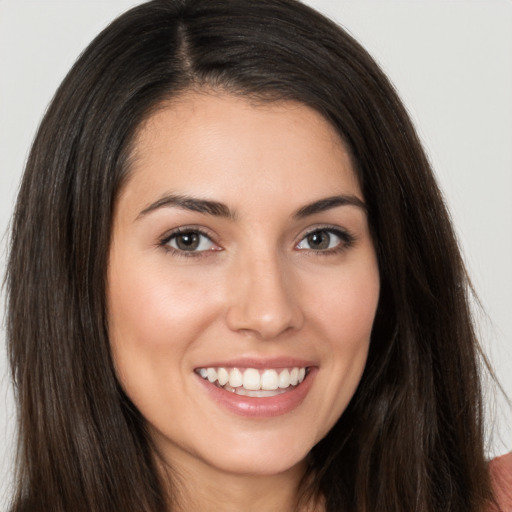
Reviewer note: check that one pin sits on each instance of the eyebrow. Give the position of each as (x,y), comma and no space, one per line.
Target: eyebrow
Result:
(219,209)
(328,203)
(209,207)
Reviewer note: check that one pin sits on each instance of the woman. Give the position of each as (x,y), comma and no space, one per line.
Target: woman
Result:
(233,283)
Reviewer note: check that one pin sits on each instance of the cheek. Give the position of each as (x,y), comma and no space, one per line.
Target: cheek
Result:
(344,315)
(347,304)
(155,306)
(153,323)
(150,325)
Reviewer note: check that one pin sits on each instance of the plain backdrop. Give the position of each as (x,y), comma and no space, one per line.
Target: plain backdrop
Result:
(451,61)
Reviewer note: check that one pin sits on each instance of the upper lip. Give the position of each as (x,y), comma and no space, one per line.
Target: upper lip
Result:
(259,363)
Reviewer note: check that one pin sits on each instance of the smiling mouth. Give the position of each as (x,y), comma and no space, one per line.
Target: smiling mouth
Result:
(252,382)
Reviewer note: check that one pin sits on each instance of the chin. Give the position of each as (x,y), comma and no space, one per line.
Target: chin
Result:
(261,463)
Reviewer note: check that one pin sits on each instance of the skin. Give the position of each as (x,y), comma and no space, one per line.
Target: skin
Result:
(259,289)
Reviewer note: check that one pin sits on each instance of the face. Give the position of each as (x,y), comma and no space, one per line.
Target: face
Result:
(242,282)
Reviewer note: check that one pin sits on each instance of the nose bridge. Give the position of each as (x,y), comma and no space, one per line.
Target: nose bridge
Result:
(262,296)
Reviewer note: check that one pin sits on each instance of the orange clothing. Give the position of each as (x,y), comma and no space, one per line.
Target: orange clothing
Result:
(501,476)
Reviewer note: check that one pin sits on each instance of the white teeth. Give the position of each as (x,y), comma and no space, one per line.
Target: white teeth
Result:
(260,393)
(235,378)
(269,380)
(253,382)
(284,379)
(251,379)
(242,391)
(222,376)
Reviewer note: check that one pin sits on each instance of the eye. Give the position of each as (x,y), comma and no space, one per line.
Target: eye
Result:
(189,240)
(327,240)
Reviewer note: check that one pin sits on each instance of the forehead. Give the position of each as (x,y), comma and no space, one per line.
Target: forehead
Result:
(206,143)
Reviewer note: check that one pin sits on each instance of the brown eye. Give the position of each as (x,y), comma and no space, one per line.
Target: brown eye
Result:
(187,241)
(319,240)
(325,240)
(190,241)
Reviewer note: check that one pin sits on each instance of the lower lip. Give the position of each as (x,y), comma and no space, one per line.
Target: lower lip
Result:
(256,407)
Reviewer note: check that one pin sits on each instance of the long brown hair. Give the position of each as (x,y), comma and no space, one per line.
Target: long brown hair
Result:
(412,436)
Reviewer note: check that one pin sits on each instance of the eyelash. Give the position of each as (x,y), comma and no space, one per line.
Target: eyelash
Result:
(167,238)
(347,240)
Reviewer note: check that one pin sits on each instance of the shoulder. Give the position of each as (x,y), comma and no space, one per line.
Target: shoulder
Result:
(501,477)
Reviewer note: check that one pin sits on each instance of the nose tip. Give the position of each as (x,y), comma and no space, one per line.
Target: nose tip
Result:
(264,303)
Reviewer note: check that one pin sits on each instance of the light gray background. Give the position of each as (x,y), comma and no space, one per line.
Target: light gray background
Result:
(451,62)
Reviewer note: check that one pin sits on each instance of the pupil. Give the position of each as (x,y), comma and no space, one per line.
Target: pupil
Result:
(319,240)
(188,241)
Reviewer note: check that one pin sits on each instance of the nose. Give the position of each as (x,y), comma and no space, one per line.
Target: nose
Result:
(263,301)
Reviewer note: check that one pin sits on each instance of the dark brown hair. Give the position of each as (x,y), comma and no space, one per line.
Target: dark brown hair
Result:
(412,436)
